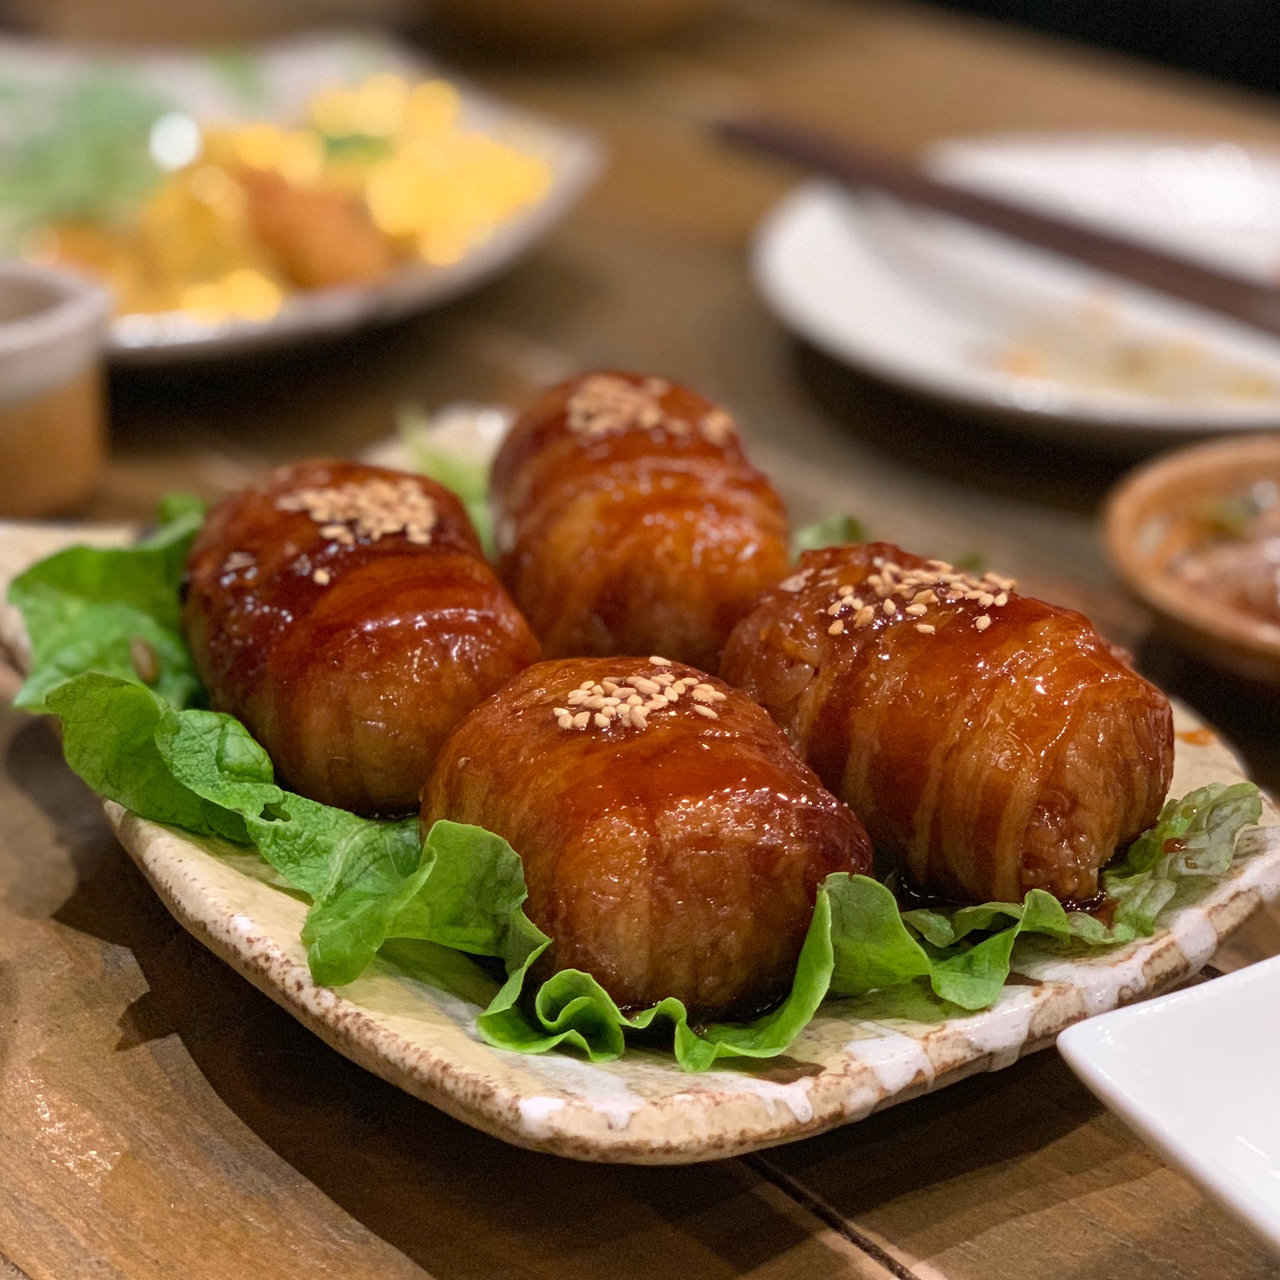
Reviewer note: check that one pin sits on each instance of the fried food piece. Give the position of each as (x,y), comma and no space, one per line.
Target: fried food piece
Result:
(992,742)
(629,520)
(346,615)
(316,237)
(672,841)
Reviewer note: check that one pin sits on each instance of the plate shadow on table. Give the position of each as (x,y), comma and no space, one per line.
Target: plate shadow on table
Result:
(455,1201)
(944,441)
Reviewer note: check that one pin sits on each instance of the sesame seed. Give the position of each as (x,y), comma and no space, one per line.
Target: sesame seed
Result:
(836,628)
(370,509)
(321,577)
(845,590)
(142,657)
(983,622)
(795,582)
(889,608)
(916,610)
(925,628)
(1002,599)
(984,598)
(660,662)
(632,710)
(237,560)
(864,616)
(834,609)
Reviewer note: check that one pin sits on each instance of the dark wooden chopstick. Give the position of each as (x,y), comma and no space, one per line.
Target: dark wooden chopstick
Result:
(1239,297)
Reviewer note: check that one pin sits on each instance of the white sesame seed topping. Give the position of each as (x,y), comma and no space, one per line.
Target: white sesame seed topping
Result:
(660,662)
(925,628)
(629,707)
(890,608)
(371,509)
(237,560)
(321,577)
(836,628)
(983,622)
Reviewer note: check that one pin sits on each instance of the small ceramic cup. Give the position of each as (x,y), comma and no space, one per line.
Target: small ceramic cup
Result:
(52,434)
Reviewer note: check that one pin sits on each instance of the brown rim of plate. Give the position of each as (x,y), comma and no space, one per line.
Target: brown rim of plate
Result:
(1173,486)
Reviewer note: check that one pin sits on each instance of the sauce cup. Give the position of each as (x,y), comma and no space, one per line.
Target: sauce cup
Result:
(52,418)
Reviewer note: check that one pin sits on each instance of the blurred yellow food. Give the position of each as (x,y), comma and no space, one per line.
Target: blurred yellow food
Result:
(379,173)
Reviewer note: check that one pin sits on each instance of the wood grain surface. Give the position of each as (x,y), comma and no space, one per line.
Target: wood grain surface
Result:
(159,1117)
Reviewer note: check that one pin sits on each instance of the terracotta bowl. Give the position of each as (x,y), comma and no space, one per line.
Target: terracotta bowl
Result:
(1157,513)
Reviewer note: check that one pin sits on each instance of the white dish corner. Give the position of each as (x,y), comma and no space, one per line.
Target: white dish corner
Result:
(1195,1074)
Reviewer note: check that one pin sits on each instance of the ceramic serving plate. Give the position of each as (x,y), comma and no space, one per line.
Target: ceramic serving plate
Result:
(851,1060)
(274,82)
(1045,345)
(1217,1115)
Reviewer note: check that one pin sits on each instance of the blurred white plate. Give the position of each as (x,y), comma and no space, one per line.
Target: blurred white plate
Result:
(273,82)
(935,305)
(1195,1073)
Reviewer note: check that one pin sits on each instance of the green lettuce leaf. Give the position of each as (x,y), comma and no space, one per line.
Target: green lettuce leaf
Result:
(457,454)
(96,609)
(1193,838)
(834,531)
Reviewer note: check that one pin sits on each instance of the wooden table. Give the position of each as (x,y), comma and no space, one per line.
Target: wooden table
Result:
(160,1118)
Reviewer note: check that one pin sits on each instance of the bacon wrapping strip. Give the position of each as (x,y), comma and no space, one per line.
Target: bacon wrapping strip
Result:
(628,520)
(993,743)
(346,616)
(673,852)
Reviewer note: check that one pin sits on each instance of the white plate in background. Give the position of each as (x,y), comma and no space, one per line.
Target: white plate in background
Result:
(274,82)
(935,305)
(1197,1074)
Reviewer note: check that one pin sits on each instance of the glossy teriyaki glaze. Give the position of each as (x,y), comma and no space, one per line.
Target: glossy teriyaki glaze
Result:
(628,519)
(991,741)
(346,615)
(675,856)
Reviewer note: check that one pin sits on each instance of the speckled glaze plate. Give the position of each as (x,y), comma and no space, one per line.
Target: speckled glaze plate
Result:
(850,1061)
(273,82)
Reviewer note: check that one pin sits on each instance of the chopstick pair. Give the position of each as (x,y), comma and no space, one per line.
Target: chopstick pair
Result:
(1250,301)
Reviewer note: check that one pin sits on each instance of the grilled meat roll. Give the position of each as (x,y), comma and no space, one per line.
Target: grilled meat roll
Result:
(629,521)
(672,842)
(346,615)
(992,742)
